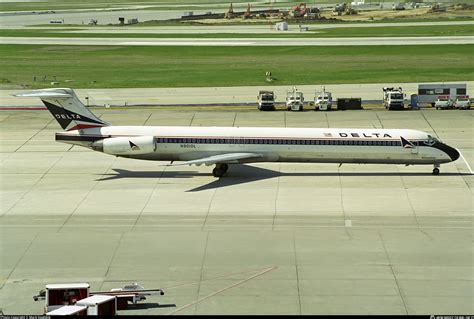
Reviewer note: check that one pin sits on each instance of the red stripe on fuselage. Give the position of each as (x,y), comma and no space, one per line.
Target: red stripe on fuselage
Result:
(83,126)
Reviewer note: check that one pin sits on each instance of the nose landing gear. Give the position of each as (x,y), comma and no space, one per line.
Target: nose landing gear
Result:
(436,169)
(220,170)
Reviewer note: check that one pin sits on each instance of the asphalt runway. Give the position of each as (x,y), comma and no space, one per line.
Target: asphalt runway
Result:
(290,41)
(83,17)
(269,238)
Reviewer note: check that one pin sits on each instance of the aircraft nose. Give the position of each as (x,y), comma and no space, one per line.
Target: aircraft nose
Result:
(452,152)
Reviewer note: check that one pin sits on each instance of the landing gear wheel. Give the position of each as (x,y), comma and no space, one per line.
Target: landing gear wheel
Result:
(225,167)
(435,171)
(216,172)
(220,170)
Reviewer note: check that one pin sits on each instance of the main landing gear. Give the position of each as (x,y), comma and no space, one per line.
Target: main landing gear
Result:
(436,170)
(220,170)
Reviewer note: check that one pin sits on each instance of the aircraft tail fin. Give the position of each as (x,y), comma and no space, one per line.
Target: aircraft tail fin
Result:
(66,108)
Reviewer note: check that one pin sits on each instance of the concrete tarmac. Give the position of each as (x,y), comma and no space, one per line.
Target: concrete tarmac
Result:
(269,238)
(214,95)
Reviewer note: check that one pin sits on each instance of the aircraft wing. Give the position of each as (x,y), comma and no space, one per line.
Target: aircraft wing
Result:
(231,158)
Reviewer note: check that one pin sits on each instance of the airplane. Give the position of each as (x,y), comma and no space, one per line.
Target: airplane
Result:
(222,146)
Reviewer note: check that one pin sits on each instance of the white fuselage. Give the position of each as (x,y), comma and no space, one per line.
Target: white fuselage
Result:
(344,145)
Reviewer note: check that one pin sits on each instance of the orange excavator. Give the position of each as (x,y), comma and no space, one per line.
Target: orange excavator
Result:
(299,10)
(247,13)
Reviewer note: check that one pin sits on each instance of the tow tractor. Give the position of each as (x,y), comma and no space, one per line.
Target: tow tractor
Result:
(323,100)
(294,100)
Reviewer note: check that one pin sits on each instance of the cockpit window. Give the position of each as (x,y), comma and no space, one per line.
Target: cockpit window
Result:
(430,140)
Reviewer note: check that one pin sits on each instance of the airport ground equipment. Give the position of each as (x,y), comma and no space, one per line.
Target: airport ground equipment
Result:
(59,295)
(323,100)
(99,305)
(294,100)
(444,102)
(133,293)
(352,103)
(393,98)
(67,294)
(266,100)
(71,310)
(462,102)
(429,93)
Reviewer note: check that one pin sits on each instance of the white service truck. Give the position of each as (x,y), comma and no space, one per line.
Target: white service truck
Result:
(462,102)
(393,98)
(266,100)
(444,102)
(323,100)
(294,100)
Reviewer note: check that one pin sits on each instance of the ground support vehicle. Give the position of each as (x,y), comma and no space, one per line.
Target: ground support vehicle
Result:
(294,100)
(266,101)
(393,98)
(444,102)
(462,102)
(323,101)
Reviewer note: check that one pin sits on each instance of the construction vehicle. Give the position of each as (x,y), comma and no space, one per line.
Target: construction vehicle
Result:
(247,13)
(350,10)
(294,100)
(230,13)
(339,9)
(398,6)
(437,8)
(299,11)
(393,98)
(323,100)
(266,101)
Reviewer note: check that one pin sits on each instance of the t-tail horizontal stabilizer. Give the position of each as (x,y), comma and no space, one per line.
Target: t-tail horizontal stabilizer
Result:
(66,108)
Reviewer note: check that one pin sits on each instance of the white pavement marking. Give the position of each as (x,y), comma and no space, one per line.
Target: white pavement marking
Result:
(467,164)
